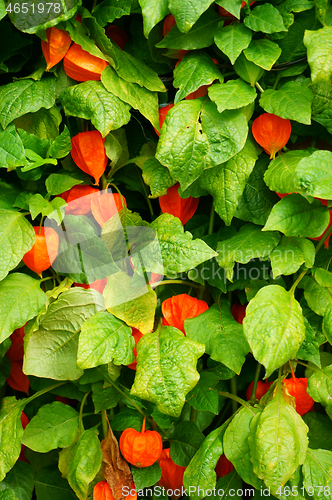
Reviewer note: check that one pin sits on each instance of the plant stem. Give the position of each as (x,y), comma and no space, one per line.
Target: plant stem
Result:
(259,87)
(103,182)
(235,398)
(308,366)
(234,392)
(254,388)
(81,411)
(176,282)
(279,74)
(43,391)
(211,223)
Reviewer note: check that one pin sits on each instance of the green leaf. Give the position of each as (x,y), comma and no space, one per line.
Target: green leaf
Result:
(172,240)
(322,276)
(51,350)
(317,474)
(265,18)
(80,463)
(232,40)
(36,19)
(200,472)
(82,256)
(18,483)
(61,146)
(12,152)
(257,200)
(231,485)
(43,123)
(171,358)
(248,71)
(54,426)
(320,386)
(231,95)
(20,300)
(8,195)
(274,327)
(91,101)
(50,484)
(320,430)
(61,182)
(11,433)
(16,239)
(319,298)
(104,398)
(138,97)
(222,336)
(153,11)
(194,70)
(280,175)
(278,442)
(187,13)
(3,12)
(185,442)
(292,100)
(157,177)
(319,47)
(263,52)
(250,242)
(109,10)
(295,216)
(227,181)
(232,6)
(23,96)
(321,104)
(236,445)
(146,476)
(201,34)
(313,174)
(103,339)
(195,136)
(204,396)
(290,254)
(135,305)
(309,349)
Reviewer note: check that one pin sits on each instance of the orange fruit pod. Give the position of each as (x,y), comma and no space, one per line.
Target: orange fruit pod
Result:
(172,203)
(238,312)
(297,387)
(102,491)
(171,473)
(141,449)
(178,308)
(82,66)
(137,336)
(223,467)
(106,205)
(24,422)
(16,350)
(98,285)
(271,132)
(44,251)
(79,199)
(18,380)
(88,152)
(262,388)
(117,35)
(163,110)
(56,47)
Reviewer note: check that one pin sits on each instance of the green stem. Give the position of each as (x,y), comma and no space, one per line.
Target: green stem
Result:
(104,423)
(176,282)
(234,392)
(259,87)
(279,75)
(254,387)
(211,223)
(81,411)
(307,366)
(94,5)
(235,398)
(103,182)
(43,391)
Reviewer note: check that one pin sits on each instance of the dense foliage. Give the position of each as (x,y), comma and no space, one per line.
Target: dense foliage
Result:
(165,270)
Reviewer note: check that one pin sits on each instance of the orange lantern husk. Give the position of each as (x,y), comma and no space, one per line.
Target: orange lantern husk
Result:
(44,251)
(97,285)
(79,199)
(271,132)
(223,467)
(172,203)
(16,350)
(18,380)
(141,449)
(163,110)
(56,47)
(297,387)
(88,152)
(106,205)
(82,66)
(262,388)
(171,473)
(178,308)
(137,336)
(117,35)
